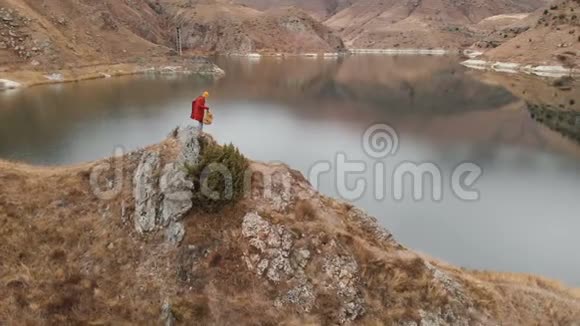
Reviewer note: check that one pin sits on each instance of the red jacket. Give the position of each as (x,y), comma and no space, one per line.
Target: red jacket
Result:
(198,109)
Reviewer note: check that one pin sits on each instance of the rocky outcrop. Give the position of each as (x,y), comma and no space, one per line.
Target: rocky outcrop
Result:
(273,245)
(190,146)
(164,196)
(275,255)
(176,190)
(238,30)
(146,192)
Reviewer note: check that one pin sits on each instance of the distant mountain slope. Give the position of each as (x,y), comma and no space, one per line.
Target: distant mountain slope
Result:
(318,8)
(57,33)
(419,23)
(554,39)
(216,26)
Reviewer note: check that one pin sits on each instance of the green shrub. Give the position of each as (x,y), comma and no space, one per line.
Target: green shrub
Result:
(220,172)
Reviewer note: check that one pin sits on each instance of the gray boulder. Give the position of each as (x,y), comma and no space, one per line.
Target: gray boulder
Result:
(177,190)
(190,147)
(146,193)
(175,233)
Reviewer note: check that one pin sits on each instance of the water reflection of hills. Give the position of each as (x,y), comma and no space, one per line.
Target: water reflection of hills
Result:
(402,85)
(566,123)
(49,113)
(556,107)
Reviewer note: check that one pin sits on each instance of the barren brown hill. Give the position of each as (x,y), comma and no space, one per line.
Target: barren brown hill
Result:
(418,23)
(554,39)
(320,9)
(56,34)
(214,26)
(130,241)
(499,29)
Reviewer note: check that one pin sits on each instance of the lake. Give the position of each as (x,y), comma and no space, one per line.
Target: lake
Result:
(311,113)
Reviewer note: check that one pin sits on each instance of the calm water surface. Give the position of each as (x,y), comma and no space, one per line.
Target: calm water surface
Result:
(304,111)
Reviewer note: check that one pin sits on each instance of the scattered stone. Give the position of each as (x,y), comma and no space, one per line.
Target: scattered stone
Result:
(274,244)
(342,276)
(175,234)
(302,296)
(278,262)
(123,212)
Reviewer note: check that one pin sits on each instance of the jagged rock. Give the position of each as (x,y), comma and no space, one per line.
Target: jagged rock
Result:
(302,296)
(342,276)
(280,193)
(277,261)
(177,191)
(369,224)
(146,193)
(273,242)
(190,147)
(175,233)
(301,258)
(450,285)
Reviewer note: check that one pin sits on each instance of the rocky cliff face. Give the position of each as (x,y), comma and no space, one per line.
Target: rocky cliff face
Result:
(233,29)
(320,9)
(148,252)
(57,34)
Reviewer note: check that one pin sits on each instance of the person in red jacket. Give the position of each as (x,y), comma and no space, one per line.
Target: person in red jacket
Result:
(198,110)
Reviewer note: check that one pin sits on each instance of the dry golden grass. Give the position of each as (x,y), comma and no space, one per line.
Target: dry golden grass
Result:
(69,258)
(305,211)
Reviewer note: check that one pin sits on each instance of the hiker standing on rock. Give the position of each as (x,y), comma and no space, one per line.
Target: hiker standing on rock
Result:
(198,110)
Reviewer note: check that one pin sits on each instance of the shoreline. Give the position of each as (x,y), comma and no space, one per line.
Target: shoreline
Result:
(29,78)
(518,68)
(347,52)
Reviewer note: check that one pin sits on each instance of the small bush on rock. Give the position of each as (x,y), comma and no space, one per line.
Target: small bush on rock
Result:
(219,176)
